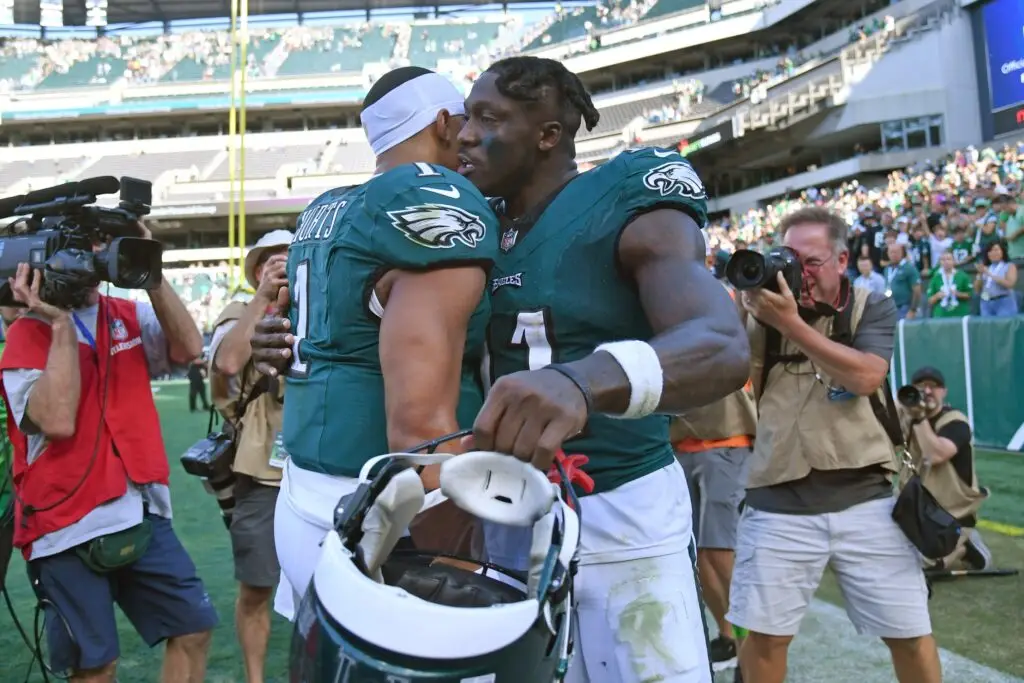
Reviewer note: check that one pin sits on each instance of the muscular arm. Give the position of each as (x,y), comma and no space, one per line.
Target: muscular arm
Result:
(53,401)
(234,349)
(184,343)
(698,336)
(422,336)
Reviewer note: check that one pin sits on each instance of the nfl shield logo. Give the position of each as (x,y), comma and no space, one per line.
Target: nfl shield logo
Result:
(118,331)
(508,239)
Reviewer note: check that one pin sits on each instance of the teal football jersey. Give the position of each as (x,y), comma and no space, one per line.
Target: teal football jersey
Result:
(414,217)
(558,293)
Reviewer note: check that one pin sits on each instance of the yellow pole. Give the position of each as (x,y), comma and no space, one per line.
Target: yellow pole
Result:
(244,38)
(232,129)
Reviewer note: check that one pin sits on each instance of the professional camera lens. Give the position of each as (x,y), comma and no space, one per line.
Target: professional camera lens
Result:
(131,262)
(909,396)
(131,274)
(746,269)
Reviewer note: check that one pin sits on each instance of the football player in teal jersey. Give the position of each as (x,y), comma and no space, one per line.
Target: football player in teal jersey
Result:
(604,322)
(387,312)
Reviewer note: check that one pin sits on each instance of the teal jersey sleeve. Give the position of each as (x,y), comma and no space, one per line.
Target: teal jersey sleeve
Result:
(426,216)
(654,178)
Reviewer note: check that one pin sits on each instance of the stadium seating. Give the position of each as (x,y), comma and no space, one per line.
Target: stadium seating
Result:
(663,8)
(331,50)
(431,42)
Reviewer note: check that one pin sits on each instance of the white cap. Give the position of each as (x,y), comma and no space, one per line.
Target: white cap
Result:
(272,240)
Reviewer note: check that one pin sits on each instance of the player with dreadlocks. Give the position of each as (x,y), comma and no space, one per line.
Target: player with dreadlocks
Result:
(604,321)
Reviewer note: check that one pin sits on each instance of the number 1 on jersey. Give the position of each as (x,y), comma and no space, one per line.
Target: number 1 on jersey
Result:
(532,331)
(300,291)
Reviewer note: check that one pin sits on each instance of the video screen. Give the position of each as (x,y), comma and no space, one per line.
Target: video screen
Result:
(1004,38)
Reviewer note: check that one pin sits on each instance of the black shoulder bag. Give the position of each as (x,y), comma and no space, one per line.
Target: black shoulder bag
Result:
(928,526)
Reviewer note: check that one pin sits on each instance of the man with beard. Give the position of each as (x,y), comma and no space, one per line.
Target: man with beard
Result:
(386,283)
(613,254)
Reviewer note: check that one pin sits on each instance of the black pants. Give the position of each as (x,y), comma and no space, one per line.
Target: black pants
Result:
(197,390)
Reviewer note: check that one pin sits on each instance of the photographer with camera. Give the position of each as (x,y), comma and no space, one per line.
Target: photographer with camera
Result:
(940,449)
(245,397)
(92,504)
(819,489)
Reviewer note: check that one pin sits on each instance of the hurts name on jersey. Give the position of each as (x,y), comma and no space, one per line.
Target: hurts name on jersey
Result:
(318,221)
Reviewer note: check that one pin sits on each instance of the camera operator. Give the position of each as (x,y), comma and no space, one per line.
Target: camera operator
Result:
(940,438)
(257,467)
(819,488)
(93,509)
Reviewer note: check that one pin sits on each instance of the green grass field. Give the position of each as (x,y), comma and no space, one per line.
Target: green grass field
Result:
(979,619)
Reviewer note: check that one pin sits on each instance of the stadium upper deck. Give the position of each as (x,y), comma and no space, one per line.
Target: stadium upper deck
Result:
(796,65)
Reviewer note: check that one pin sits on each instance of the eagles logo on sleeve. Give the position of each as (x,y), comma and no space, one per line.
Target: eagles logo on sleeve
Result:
(675,177)
(439,226)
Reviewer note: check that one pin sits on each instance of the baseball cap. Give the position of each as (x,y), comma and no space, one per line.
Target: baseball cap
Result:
(928,373)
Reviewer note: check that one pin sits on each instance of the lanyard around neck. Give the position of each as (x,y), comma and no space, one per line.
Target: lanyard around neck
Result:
(86,334)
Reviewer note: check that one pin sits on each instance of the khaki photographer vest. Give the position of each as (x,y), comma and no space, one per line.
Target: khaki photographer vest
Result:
(799,428)
(735,415)
(263,416)
(943,482)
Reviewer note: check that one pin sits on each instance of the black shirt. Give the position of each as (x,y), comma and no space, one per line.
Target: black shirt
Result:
(959,432)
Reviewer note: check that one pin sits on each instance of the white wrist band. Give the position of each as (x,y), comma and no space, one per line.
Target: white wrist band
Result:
(643,370)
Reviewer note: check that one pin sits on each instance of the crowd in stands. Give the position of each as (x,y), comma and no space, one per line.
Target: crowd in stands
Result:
(206,55)
(969,205)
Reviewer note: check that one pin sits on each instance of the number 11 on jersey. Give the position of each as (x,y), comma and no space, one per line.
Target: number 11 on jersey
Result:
(300,293)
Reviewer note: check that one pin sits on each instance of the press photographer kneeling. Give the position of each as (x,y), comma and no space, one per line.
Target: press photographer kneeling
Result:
(90,474)
(940,448)
(819,489)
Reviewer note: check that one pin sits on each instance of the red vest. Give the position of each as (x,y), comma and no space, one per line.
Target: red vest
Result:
(72,477)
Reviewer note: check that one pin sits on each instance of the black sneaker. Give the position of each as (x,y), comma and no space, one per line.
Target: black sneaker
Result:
(723,653)
(976,553)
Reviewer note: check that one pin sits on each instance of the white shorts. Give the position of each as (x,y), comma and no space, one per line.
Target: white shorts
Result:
(303,517)
(780,560)
(640,620)
(639,615)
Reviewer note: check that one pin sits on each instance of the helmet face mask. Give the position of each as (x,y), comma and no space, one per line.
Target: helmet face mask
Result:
(374,614)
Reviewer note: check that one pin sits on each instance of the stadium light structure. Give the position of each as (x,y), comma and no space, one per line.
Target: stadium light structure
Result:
(236,140)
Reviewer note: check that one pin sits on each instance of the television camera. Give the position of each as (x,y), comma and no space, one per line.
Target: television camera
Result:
(78,245)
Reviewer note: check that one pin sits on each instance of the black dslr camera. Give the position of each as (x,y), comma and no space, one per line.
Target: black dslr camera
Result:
(910,396)
(748,269)
(78,245)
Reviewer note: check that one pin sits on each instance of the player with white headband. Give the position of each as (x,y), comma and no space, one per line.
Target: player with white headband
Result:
(386,285)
